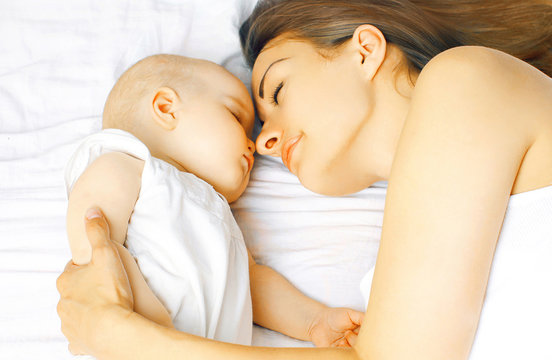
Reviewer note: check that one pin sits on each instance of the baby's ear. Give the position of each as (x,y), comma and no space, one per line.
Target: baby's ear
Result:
(164,106)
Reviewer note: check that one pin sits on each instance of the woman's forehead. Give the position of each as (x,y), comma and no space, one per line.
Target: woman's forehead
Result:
(276,50)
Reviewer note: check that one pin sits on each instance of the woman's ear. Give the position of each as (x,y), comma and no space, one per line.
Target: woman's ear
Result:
(164,106)
(370,43)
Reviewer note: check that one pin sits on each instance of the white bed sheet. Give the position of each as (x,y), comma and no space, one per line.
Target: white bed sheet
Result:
(323,245)
(59,60)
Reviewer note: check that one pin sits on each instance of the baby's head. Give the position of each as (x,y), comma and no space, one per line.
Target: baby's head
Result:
(191,113)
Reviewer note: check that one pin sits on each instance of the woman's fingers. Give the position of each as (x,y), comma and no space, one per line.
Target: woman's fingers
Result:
(97,230)
(106,256)
(75,350)
(70,265)
(62,279)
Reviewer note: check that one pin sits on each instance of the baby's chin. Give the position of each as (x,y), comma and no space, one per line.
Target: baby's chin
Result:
(234,194)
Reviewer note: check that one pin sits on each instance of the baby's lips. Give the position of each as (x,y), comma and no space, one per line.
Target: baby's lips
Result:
(250,161)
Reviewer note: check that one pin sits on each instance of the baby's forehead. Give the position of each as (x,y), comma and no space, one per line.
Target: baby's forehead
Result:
(207,70)
(193,76)
(217,78)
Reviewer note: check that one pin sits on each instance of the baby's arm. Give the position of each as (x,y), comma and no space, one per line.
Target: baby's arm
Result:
(112,182)
(280,306)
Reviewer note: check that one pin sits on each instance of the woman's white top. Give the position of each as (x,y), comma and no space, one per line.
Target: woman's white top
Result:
(185,241)
(516,320)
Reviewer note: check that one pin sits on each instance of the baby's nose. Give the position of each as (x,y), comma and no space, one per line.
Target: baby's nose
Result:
(250,145)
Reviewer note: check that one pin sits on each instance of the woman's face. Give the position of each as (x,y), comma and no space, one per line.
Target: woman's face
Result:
(315,113)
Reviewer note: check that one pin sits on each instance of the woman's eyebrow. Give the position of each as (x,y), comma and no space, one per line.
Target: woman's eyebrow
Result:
(261,85)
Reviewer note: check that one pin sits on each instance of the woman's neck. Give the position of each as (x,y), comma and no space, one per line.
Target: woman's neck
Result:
(394,86)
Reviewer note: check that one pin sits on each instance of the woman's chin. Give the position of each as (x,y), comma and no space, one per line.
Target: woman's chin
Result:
(328,188)
(331,185)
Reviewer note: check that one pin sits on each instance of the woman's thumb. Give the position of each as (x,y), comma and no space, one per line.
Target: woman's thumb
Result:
(97,230)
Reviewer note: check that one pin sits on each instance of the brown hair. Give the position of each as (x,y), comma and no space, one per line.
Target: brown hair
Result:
(420,28)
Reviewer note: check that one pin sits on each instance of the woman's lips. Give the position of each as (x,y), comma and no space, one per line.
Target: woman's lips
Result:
(287,150)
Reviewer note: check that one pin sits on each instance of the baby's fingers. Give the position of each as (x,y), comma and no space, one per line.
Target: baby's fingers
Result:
(351,337)
(342,342)
(356,317)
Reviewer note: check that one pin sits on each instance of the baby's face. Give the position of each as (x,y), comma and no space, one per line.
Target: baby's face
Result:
(217,122)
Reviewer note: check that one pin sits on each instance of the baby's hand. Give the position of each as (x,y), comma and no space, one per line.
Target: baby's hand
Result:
(336,327)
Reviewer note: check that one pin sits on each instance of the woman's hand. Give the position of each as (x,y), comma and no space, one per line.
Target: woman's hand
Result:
(90,293)
(336,327)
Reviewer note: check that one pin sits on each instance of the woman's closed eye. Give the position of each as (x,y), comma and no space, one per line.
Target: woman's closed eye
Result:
(276,92)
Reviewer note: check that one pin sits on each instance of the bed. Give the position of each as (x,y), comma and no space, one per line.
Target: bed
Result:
(59,60)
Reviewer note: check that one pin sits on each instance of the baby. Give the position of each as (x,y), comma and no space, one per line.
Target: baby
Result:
(173,153)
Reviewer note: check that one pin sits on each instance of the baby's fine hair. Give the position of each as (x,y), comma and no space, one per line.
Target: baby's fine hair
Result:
(121,110)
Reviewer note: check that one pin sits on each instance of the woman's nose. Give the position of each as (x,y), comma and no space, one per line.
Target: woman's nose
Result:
(269,142)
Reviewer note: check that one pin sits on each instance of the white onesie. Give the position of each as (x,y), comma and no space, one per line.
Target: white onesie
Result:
(185,241)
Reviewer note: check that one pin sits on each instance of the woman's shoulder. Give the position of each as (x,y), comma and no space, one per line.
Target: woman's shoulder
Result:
(485,79)
(473,65)
(492,96)
(473,58)
(469,53)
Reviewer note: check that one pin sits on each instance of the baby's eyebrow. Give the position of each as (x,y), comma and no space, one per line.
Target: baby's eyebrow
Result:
(261,85)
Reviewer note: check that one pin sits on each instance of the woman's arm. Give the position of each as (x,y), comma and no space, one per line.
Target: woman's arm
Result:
(456,162)
(103,324)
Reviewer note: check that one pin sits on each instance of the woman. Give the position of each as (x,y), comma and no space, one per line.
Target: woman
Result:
(353,92)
